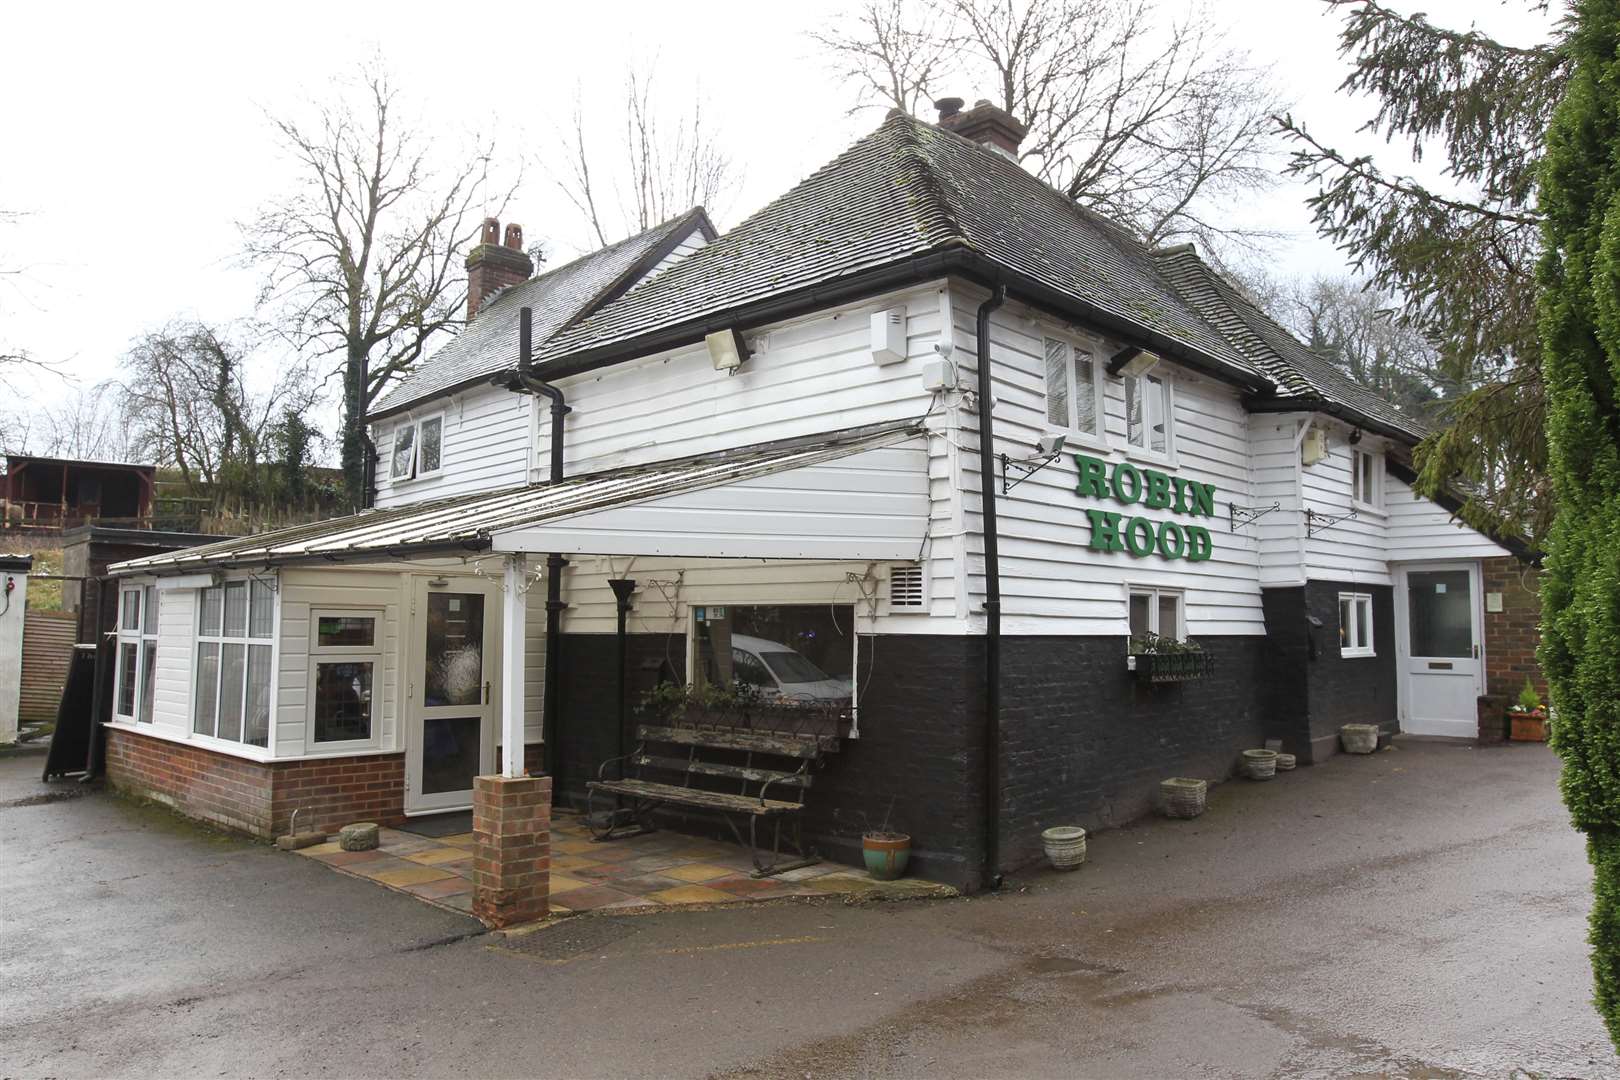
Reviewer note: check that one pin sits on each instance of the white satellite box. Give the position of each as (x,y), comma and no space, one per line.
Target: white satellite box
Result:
(889,336)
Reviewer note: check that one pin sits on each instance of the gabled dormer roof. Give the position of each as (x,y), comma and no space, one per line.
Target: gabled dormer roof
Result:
(558,298)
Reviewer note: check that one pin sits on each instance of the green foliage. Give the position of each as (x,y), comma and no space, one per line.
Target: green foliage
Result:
(1461,258)
(1151,644)
(1529,700)
(1580,331)
(671,702)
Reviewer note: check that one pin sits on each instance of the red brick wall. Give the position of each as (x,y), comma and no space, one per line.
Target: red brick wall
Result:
(534,758)
(1512,634)
(252,796)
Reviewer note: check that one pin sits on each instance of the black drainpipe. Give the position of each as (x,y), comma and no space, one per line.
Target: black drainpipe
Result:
(623,589)
(992,602)
(526,382)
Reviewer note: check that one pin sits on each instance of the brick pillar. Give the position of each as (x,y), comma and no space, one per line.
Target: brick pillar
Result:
(512,859)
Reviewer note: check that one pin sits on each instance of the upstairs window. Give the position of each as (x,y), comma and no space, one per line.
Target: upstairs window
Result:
(1147,413)
(1367,479)
(418,448)
(1073,389)
(1355,624)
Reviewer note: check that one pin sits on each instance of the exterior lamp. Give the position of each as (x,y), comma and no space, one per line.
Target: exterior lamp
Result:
(1131,362)
(727,349)
(1047,448)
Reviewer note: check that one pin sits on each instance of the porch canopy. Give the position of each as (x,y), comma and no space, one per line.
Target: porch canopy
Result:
(860,493)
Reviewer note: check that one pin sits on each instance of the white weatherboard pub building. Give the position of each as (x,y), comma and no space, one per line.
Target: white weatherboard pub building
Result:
(775,434)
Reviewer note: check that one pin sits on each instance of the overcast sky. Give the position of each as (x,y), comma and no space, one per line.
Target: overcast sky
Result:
(134,135)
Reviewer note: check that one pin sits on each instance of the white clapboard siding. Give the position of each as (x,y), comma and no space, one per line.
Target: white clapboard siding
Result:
(1275,471)
(1052,582)
(872,505)
(172,692)
(691,242)
(1420,529)
(485,446)
(1354,549)
(305,589)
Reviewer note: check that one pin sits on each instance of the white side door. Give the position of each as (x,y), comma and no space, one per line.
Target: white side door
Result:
(1438,631)
(452,690)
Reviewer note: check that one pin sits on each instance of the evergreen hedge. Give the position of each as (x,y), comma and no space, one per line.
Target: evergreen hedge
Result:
(1579,321)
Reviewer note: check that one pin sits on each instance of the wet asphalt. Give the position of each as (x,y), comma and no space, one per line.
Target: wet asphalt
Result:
(1420,912)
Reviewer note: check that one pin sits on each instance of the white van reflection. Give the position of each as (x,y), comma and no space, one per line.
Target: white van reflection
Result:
(781,672)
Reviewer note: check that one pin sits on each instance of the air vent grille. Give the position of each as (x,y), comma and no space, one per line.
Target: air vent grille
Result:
(906,587)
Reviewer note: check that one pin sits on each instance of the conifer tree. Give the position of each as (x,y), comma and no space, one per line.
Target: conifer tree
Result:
(1579,320)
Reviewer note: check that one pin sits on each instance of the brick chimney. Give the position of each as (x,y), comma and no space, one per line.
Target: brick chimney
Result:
(985,124)
(493,265)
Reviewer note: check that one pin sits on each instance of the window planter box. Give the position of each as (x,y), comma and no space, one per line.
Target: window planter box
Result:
(1178,667)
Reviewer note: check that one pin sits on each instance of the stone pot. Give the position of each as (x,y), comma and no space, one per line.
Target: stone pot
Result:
(1359,738)
(1527,726)
(1065,846)
(1182,796)
(886,854)
(1259,764)
(1286,762)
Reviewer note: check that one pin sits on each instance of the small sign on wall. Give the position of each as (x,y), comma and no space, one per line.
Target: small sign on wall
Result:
(1493,603)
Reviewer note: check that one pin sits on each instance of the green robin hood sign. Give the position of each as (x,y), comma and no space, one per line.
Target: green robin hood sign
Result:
(1154,490)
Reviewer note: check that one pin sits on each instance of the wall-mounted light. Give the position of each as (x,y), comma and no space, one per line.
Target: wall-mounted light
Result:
(1131,362)
(727,349)
(889,336)
(1047,448)
(1355,436)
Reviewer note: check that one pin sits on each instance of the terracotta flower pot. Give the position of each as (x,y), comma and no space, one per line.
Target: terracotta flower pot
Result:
(886,854)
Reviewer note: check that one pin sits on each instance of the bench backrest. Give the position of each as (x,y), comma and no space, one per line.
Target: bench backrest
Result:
(731,760)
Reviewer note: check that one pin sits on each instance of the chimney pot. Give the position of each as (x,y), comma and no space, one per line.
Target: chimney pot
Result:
(514,237)
(493,266)
(492,231)
(948,107)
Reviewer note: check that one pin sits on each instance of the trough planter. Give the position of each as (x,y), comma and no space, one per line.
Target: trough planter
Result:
(1065,846)
(1527,726)
(1359,738)
(1259,764)
(1183,796)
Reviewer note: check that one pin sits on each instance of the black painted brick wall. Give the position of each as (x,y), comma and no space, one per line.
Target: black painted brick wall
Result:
(1084,744)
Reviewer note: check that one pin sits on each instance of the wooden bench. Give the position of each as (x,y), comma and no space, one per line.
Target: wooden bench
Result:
(733,773)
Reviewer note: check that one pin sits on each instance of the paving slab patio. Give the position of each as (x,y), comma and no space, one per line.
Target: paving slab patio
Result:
(639,873)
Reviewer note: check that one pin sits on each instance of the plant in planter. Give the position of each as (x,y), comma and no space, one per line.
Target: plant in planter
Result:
(886,852)
(1527,717)
(1156,659)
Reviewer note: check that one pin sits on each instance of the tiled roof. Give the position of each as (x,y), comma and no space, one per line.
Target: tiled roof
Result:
(557,298)
(908,189)
(1300,374)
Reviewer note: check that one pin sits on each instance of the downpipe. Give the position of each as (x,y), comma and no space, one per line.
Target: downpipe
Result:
(992,600)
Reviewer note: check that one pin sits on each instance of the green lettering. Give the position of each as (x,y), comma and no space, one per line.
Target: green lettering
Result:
(1169,531)
(1093,477)
(1203,499)
(1121,471)
(1181,494)
(1139,537)
(1199,545)
(1157,496)
(1105,530)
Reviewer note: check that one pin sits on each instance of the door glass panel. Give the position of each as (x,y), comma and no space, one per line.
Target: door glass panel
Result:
(1442,613)
(455,649)
(450,753)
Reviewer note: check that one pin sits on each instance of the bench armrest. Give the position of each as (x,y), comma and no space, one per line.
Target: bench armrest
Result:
(800,771)
(601,772)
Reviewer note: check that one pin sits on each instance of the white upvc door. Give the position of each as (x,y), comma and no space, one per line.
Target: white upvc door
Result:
(452,692)
(1439,654)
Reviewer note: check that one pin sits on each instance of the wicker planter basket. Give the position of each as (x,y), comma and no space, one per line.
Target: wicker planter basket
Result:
(1259,764)
(1183,796)
(1359,738)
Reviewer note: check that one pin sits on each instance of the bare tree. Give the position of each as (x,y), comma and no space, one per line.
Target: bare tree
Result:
(186,403)
(1155,122)
(82,422)
(15,359)
(363,258)
(669,164)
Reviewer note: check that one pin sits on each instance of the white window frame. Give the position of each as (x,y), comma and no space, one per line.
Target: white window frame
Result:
(1375,481)
(691,623)
(142,634)
(1154,593)
(1160,374)
(1361,617)
(248,641)
(319,654)
(1097,435)
(413,469)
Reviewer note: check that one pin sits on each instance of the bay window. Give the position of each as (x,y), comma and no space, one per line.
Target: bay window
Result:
(235,631)
(136,675)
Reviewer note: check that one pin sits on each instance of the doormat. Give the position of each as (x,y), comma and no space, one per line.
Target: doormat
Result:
(439,824)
